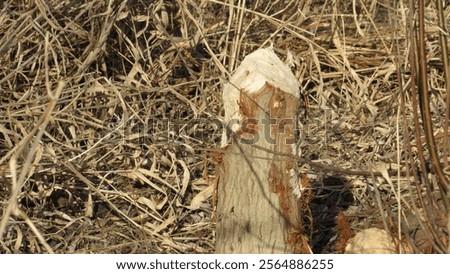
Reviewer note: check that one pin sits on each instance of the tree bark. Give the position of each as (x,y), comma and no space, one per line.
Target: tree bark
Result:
(258,191)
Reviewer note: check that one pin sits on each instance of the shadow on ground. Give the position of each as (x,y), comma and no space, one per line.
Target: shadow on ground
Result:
(331,195)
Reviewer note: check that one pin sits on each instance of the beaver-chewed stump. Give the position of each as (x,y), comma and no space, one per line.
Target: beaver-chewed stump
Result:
(258,191)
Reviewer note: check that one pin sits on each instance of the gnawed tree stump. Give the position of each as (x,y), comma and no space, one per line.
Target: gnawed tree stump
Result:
(258,191)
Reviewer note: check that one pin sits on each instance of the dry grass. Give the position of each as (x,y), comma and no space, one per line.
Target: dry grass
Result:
(110,119)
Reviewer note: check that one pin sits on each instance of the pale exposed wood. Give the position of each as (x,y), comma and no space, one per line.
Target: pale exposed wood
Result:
(257,209)
(371,241)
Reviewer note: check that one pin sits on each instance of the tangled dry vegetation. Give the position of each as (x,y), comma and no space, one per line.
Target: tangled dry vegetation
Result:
(110,120)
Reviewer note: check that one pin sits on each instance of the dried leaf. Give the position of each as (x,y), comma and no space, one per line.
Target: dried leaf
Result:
(201,197)
(149,203)
(186,178)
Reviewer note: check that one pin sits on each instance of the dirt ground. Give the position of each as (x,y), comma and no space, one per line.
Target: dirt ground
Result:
(110,120)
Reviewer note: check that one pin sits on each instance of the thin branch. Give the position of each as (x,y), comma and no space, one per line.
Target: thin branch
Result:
(425,103)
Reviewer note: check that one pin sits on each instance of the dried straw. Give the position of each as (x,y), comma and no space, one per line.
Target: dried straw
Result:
(110,119)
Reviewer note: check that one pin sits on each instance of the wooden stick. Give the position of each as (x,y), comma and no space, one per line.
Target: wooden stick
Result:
(257,210)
